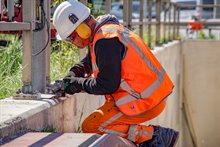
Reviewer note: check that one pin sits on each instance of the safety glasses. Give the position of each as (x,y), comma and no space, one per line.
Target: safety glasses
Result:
(71,37)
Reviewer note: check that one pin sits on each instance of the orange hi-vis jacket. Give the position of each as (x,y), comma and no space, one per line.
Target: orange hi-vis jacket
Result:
(144,82)
(195,24)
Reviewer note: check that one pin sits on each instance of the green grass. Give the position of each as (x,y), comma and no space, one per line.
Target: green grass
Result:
(49,129)
(10,66)
(63,57)
(153,36)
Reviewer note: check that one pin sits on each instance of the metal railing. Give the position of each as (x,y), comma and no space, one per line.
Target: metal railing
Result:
(166,29)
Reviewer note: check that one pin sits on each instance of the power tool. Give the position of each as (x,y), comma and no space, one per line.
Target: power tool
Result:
(56,88)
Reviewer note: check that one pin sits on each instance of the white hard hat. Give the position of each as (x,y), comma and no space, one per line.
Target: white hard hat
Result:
(67,16)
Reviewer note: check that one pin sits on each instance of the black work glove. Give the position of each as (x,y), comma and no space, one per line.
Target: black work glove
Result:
(70,74)
(70,85)
(57,88)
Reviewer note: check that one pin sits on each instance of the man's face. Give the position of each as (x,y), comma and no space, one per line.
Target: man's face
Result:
(75,39)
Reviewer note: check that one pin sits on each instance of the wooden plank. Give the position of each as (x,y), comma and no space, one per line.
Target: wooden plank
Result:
(14,26)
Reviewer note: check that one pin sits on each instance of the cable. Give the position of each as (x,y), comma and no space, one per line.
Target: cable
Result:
(48,32)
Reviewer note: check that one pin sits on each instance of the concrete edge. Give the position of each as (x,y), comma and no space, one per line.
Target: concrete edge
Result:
(15,125)
(112,140)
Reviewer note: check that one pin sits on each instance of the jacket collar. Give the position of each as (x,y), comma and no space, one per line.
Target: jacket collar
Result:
(102,20)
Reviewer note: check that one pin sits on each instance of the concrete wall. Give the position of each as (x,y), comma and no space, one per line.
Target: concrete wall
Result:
(170,57)
(202,90)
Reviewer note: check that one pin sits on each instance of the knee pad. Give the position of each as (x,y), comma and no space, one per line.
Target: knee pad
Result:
(92,122)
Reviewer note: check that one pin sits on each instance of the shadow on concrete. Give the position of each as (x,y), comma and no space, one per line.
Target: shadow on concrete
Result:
(49,138)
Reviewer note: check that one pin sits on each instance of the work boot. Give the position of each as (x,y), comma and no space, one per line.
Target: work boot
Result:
(162,137)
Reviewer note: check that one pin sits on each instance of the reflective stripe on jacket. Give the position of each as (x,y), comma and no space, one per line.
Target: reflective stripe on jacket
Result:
(144,82)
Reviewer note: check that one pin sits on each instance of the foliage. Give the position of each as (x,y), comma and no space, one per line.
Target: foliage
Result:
(63,57)
(48,129)
(94,12)
(211,36)
(145,36)
(55,2)
(10,84)
(202,35)
(10,66)
(11,58)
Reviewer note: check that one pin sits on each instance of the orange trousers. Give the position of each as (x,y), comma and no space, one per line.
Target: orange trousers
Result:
(109,119)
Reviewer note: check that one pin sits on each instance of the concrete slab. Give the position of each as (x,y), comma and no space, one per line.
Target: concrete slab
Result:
(11,109)
(53,140)
(16,115)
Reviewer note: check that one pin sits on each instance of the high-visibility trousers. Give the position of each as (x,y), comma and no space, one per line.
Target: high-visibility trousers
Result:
(109,119)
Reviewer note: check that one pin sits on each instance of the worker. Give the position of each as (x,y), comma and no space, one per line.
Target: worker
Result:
(121,67)
(194,25)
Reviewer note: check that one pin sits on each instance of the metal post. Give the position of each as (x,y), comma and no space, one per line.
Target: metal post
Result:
(199,2)
(149,4)
(129,13)
(48,3)
(125,16)
(27,38)
(83,52)
(210,31)
(141,26)
(41,42)
(108,6)
(216,9)
(178,22)
(169,22)
(165,18)
(158,6)
(1,6)
(174,21)
(10,7)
